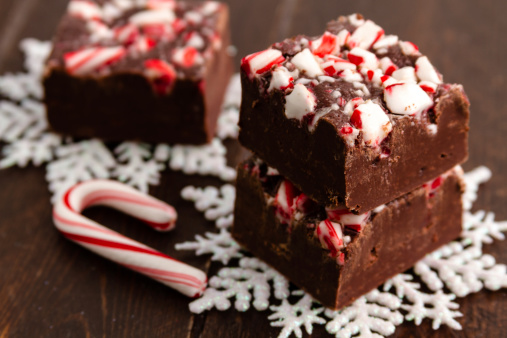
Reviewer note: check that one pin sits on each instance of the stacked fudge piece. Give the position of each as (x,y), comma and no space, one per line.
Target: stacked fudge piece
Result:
(356,140)
(152,70)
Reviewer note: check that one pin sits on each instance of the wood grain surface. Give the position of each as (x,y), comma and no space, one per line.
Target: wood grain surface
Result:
(50,287)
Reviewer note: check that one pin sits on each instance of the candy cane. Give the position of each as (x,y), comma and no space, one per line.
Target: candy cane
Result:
(120,249)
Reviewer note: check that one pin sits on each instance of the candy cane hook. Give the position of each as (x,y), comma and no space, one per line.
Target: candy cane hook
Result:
(118,248)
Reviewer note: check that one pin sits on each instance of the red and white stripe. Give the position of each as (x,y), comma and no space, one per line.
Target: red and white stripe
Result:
(261,62)
(126,34)
(86,60)
(330,235)
(161,74)
(118,248)
(352,221)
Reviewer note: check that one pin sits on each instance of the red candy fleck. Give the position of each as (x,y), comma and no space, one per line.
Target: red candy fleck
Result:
(370,74)
(355,59)
(436,183)
(327,45)
(265,64)
(161,74)
(346,130)
(389,88)
(427,89)
(384,78)
(390,70)
(355,119)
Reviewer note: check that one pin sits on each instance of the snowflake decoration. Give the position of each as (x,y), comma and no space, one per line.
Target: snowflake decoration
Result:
(139,170)
(217,204)
(77,162)
(222,247)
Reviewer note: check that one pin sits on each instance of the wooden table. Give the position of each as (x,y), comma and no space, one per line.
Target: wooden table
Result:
(50,287)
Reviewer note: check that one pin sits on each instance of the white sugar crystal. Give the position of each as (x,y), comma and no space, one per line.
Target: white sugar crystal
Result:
(406,99)
(299,103)
(406,74)
(365,35)
(426,71)
(306,62)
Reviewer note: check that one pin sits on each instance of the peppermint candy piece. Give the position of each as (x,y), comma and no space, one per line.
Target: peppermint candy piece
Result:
(153,17)
(161,4)
(362,58)
(87,60)
(428,87)
(284,201)
(342,215)
(385,42)
(261,62)
(118,248)
(365,35)
(387,65)
(299,103)
(281,79)
(371,119)
(330,235)
(187,57)
(406,74)
(426,72)
(84,9)
(306,62)
(326,44)
(161,74)
(333,65)
(126,34)
(406,99)
(409,48)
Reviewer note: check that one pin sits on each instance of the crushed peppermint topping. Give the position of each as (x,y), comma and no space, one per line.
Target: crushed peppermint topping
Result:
(184,34)
(324,77)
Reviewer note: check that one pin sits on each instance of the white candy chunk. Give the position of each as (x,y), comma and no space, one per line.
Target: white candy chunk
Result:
(352,105)
(98,31)
(355,20)
(210,7)
(306,62)
(388,81)
(408,48)
(193,17)
(365,35)
(325,45)
(196,41)
(85,10)
(363,58)
(387,66)
(425,71)
(386,41)
(299,103)
(343,37)
(372,121)
(262,61)
(153,17)
(406,99)
(406,74)
(350,75)
(281,79)
(374,76)
(330,235)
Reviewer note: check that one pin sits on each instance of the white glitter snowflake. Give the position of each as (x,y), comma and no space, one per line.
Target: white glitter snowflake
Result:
(248,284)
(222,247)
(23,151)
(207,159)
(77,162)
(217,204)
(137,168)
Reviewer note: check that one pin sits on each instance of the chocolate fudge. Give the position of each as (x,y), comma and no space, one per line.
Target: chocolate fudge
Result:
(353,116)
(152,70)
(334,255)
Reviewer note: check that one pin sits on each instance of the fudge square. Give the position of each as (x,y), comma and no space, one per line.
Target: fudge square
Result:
(353,116)
(334,255)
(152,70)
